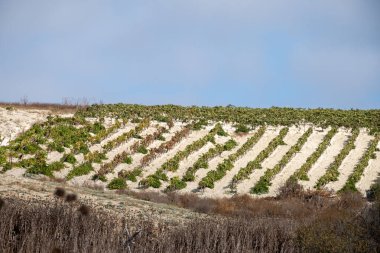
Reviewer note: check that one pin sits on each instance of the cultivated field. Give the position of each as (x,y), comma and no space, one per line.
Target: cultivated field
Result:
(213,152)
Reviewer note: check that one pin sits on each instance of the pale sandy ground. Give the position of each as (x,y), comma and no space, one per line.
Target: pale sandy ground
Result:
(156,164)
(213,163)
(290,139)
(370,174)
(118,204)
(297,161)
(14,122)
(350,161)
(54,156)
(320,166)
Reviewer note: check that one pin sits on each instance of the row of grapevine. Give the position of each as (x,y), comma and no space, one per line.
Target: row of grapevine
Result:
(154,152)
(246,171)
(86,167)
(96,156)
(166,146)
(173,163)
(262,186)
(332,172)
(122,157)
(202,162)
(361,165)
(252,116)
(126,136)
(301,173)
(222,168)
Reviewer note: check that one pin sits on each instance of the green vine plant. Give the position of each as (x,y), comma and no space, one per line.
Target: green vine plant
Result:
(246,171)
(202,162)
(262,186)
(332,172)
(301,173)
(215,175)
(173,163)
(355,176)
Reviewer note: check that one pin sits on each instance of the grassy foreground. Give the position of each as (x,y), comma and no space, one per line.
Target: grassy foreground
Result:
(296,221)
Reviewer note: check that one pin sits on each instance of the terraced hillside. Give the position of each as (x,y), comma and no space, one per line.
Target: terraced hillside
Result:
(214,152)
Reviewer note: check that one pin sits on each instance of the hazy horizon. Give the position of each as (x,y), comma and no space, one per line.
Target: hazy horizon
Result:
(302,54)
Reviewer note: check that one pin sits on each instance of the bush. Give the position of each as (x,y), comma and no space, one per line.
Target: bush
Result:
(81,170)
(240,128)
(128,160)
(99,177)
(142,150)
(176,184)
(69,158)
(117,184)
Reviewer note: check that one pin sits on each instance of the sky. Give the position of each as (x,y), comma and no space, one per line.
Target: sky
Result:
(254,53)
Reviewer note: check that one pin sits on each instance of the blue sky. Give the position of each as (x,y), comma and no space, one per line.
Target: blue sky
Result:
(293,53)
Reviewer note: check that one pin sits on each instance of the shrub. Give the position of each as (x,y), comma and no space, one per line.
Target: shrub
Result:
(128,160)
(240,128)
(142,150)
(69,158)
(117,184)
(131,174)
(80,170)
(176,184)
(99,177)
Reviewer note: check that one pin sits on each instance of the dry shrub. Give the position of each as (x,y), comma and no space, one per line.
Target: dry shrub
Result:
(59,192)
(37,226)
(223,235)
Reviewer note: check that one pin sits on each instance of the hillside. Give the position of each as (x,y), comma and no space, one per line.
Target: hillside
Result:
(213,152)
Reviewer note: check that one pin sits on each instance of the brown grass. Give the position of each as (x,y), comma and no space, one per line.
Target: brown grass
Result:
(55,108)
(298,222)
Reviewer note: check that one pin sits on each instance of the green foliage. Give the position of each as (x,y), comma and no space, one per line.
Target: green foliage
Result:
(142,150)
(219,130)
(96,157)
(83,169)
(229,145)
(128,160)
(176,184)
(222,168)
(96,128)
(150,181)
(3,155)
(69,158)
(249,116)
(99,177)
(117,184)
(241,128)
(173,163)
(262,186)
(131,175)
(301,173)
(154,180)
(126,136)
(200,124)
(203,160)
(256,163)
(332,172)
(360,166)
(160,138)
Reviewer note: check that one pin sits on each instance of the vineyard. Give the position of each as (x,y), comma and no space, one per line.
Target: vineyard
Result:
(213,152)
